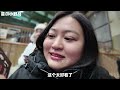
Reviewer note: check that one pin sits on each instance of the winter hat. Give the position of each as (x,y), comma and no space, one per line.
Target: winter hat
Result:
(40,26)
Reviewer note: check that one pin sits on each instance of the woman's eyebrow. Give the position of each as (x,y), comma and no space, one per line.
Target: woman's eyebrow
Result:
(72,31)
(53,29)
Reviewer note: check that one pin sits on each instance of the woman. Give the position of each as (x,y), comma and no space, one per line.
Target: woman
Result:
(67,49)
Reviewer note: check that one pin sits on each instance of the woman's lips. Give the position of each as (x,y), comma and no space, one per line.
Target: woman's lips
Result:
(56,56)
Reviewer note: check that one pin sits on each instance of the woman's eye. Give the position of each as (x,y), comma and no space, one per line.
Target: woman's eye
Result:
(69,39)
(50,36)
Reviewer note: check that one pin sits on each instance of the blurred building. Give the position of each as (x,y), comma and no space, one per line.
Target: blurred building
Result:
(107,29)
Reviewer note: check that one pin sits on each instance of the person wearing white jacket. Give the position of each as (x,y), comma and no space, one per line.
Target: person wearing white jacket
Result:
(31,46)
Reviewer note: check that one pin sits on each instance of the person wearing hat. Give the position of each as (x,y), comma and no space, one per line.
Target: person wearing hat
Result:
(31,46)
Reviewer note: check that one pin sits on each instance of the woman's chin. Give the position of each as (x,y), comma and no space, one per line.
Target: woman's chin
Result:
(56,67)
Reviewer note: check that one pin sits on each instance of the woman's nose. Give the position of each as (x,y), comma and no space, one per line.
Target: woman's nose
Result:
(57,44)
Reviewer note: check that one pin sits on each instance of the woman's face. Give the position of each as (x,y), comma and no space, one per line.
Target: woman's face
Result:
(64,43)
(37,33)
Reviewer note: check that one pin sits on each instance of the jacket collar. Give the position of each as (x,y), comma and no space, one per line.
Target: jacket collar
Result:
(38,66)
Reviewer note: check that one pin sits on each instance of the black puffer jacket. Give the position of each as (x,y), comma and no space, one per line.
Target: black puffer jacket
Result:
(37,68)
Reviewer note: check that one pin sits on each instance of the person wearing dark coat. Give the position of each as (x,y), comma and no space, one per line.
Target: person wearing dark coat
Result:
(66,49)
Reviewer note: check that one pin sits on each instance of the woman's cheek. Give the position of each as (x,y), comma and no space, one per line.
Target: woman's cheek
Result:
(47,44)
(74,50)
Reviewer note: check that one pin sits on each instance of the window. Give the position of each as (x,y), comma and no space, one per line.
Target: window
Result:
(101,25)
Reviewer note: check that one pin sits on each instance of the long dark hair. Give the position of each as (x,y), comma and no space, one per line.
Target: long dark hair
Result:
(90,52)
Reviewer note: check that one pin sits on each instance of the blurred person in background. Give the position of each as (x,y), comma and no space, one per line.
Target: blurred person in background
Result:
(32,45)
